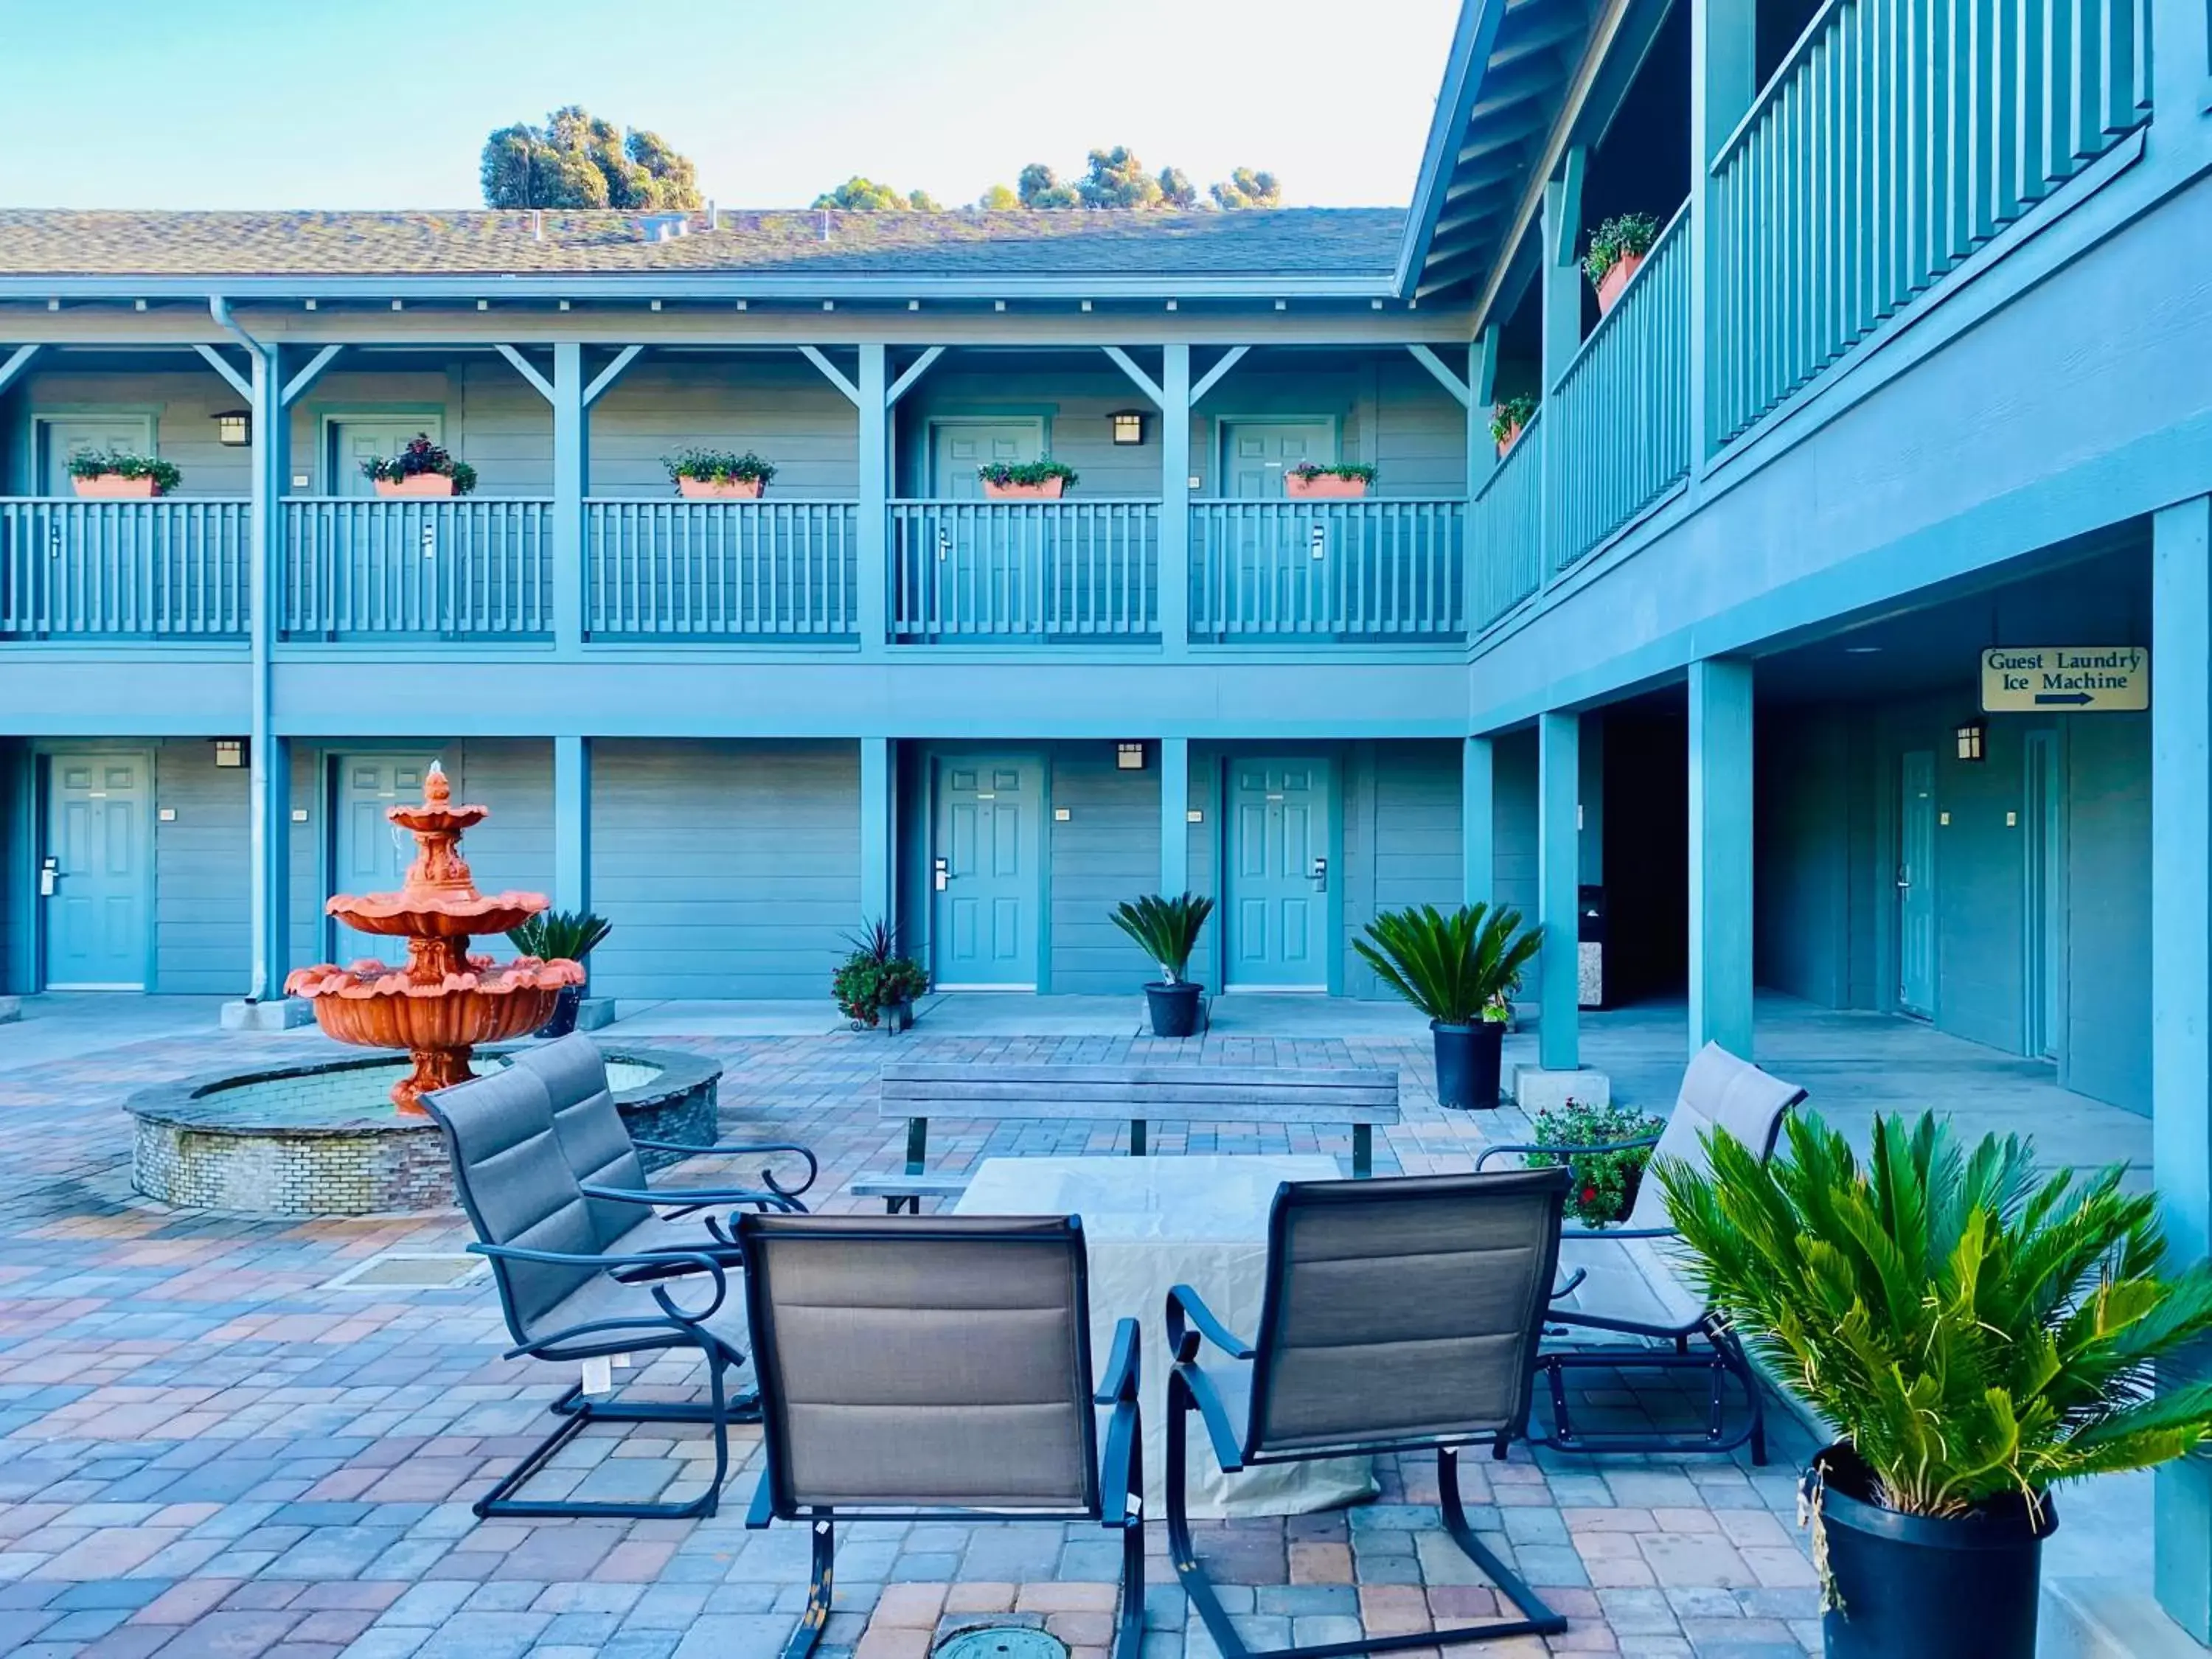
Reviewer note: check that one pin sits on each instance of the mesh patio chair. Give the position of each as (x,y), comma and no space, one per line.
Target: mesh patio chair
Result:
(937,1368)
(582,1277)
(1399,1315)
(1719,1091)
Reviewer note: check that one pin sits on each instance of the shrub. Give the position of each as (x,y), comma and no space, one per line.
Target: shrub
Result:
(122,464)
(874,975)
(1453,967)
(1166,929)
(1605,1183)
(1625,235)
(421,456)
(717,465)
(1026,473)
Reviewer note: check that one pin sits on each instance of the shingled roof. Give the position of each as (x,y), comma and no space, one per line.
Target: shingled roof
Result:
(1287,242)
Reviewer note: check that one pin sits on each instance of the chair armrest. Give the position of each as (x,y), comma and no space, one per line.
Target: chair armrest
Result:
(692,1197)
(1218,1429)
(1120,1493)
(1121,1365)
(697,1261)
(1190,1321)
(1562,1149)
(731,1149)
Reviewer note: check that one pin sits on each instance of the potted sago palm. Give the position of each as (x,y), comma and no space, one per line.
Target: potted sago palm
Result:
(555,935)
(1461,970)
(1167,930)
(1976,1330)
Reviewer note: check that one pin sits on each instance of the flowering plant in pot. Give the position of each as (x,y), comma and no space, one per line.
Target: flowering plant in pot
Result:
(99,475)
(554,935)
(1605,1148)
(1167,930)
(718,475)
(1617,248)
(423,468)
(1347,481)
(876,986)
(1458,969)
(1010,481)
(1977,1331)
(1507,419)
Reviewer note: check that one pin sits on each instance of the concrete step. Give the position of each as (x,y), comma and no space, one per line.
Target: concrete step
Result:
(2095,1619)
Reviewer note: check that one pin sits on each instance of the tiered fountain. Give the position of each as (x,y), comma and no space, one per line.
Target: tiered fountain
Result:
(444,1001)
(313,1136)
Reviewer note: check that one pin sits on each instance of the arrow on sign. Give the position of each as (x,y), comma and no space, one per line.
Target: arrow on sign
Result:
(2064,696)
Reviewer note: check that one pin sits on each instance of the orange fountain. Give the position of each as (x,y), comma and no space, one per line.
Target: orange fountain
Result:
(444,1001)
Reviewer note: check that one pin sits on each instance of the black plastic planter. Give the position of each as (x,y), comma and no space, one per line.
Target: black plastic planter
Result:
(563,1021)
(1915,1586)
(1467,1064)
(1175,1008)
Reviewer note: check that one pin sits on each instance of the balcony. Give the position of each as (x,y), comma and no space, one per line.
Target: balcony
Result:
(1365,572)
(722,571)
(467,569)
(1041,572)
(123,570)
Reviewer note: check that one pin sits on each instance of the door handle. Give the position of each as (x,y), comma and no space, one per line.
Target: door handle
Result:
(50,876)
(1320,874)
(941,869)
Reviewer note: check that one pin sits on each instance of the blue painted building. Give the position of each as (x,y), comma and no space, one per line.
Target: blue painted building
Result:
(1918,368)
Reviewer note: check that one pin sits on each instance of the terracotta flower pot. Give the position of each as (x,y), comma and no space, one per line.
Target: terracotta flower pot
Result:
(1323,487)
(720,489)
(1512,436)
(113,487)
(1049,490)
(415,484)
(1615,279)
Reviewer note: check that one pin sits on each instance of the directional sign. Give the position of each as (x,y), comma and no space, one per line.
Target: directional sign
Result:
(2067,679)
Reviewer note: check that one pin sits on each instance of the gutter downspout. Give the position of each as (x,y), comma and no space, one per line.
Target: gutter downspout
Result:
(260,624)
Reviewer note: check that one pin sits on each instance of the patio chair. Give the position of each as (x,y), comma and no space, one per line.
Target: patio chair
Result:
(585,1276)
(937,1368)
(1719,1090)
(1399,1315)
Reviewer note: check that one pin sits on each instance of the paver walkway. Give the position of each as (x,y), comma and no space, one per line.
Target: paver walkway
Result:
(204,1450)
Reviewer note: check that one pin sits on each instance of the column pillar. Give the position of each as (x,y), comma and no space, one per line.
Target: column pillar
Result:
(572,824)
(570,485)
(1721,855)
(1558,872)
(1174,816)
(871,543)
(1174,500)
(269,779)
(1723,80)
(879,878)
(2181,1000)
(1559,285)
(1478,822)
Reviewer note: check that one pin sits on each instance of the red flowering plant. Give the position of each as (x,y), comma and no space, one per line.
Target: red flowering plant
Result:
(1605,1182)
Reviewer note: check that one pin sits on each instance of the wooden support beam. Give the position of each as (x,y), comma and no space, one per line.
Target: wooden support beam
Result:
(836,376)
(1450,382)
(528,371)
(1478,798)
(1720,854)
(220,364)
(915,371)
(1212,377)
(307,375)
(1145,384)
(18,361)
(607,376)
(1558,879)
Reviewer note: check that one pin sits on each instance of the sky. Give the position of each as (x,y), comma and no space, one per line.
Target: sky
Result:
(320,104)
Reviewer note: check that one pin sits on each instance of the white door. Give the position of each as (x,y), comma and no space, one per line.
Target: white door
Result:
(372,438)
(62,441)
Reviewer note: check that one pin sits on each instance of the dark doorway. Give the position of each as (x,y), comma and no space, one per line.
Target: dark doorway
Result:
(1647,849)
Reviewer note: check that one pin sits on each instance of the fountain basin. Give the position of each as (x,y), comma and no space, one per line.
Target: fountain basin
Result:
(320,1139)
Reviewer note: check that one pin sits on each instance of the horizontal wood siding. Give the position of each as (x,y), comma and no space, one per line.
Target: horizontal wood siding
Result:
(729,870)
(1108,851)
(202,944)
(775,404)
(183,402)
(1403,846)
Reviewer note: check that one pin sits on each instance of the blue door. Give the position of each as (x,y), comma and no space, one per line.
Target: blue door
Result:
(986,873)
(1916,884)
(372,852)
(1254,454)
(62,441)
(1278,932)
(96,874)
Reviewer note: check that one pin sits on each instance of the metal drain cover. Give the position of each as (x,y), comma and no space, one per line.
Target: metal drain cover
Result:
(1002,1642)
(400,1270)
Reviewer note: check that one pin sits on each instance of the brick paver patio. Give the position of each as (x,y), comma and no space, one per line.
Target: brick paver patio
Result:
(202,1451)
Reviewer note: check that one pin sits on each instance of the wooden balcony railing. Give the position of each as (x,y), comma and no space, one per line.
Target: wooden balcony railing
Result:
(1024,571)
(722,570)
(465,569)
(123,570)
(1507,539)
(1366,571)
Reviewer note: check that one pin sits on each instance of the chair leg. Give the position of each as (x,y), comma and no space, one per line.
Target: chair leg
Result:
(1536,1618)
(819,1588)
(1129,1638)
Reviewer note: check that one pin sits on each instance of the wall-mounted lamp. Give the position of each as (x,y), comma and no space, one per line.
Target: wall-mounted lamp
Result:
(1969,737)
(1129,757)
(1128,425)
(230,751)
(233,427)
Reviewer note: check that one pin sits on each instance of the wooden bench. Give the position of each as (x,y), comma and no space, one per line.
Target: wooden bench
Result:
(983,1091)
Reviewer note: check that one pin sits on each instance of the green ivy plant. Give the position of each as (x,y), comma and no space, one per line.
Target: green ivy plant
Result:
(717,465)
(1166,929)
(1026,473)
(421,456)
(874,975)
(1973,1326)
(1510,414)
(122,464)
(1356,469)
(1453,968)
(1605,1182)
(1624,236)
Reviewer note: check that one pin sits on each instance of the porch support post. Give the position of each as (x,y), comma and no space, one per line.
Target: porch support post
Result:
(1723,80)
(1477,806)
(269,761)
(1174,501)
(571,483)
(1720,855)
(1174,816)
(1558,872)
(872,542)
(879,883)
(2181,1000)
(1560,279)
(572,822)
